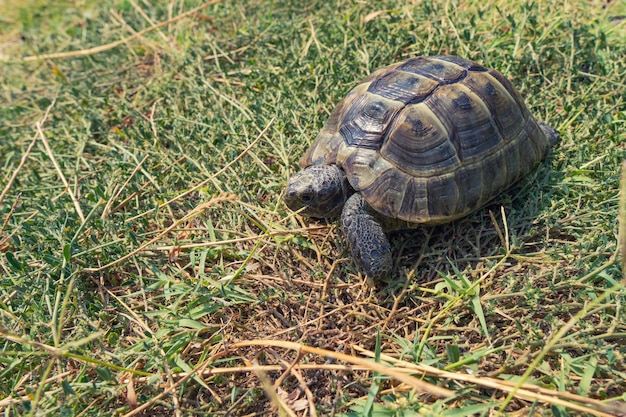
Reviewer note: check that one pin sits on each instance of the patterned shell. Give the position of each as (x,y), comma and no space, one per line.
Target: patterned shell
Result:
(431,139)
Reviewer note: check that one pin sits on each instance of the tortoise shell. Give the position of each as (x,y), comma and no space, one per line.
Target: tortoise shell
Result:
(431,139)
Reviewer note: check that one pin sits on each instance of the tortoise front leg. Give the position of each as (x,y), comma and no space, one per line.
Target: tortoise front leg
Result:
(367,241)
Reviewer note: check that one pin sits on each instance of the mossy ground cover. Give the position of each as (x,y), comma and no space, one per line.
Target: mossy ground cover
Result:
(149,266)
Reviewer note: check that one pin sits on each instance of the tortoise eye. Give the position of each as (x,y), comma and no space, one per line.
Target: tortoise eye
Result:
(307,198)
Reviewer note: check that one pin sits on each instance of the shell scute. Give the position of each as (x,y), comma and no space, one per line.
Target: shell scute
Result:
(495,175)
(432,154)
(367,119)
(443,195)
(470,180)
(403,86)
(468,121)
(390,189)
(505,110)
(414,207)
(444,72)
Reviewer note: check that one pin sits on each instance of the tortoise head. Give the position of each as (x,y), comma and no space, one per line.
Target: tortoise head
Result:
(320,190)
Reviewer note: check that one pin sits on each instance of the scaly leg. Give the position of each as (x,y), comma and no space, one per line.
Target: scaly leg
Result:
(368,243)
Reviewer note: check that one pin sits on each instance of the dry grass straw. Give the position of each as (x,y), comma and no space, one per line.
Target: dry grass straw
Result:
(197,211)
(394,368)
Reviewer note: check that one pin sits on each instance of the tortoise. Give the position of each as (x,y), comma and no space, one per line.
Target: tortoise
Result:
(424,141)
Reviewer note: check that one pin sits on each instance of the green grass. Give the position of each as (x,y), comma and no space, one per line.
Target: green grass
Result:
(152,278)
